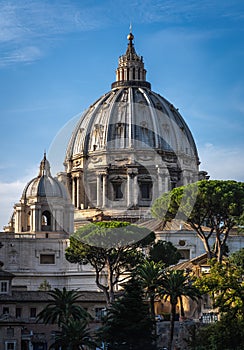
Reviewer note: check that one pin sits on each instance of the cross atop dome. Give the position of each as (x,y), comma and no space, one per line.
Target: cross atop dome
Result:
(131,71)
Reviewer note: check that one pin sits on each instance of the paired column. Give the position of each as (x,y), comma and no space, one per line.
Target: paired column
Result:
(163,180)
(132,187)
(104,189)
(35,222)
(38,218)
(101,188)
(76,191)
(18,226)
(188,176)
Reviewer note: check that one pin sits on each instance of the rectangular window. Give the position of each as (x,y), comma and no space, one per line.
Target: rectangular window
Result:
(10,345)
(205,269)
(47,259)
(145,190)
(18,312)
(6,310)
(3,287)
(118,194)
(185,253)
(32,312)
(10,332)
(93,191)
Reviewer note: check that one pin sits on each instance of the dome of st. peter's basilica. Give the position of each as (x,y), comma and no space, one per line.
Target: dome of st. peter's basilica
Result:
(129,147)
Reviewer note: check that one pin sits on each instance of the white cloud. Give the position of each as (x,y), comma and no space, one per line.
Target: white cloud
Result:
(25,26)
(24,55)
(29,23)
(9,194)
(175,11)
(222,163)
(26,19)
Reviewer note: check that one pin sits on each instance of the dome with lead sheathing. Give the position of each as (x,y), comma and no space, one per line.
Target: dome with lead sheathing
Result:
(129,146)
(44,206)
(44,185)
(131,115)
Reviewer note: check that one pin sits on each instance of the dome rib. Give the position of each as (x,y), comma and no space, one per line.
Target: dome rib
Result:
(164,123)
(154,117)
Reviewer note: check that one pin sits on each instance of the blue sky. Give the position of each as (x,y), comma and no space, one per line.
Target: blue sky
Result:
(58,57)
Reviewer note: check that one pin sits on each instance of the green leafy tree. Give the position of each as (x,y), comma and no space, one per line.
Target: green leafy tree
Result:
(150,274)
(164,252)
(217,204)
(225,284)
(175,285)
(128,324)
(226,334)
(112,249)
(62,308)
(237,258)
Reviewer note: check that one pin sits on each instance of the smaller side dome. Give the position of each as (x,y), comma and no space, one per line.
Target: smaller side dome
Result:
(44,206)
(44,185)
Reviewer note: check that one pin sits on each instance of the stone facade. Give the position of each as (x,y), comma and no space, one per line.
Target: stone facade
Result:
(35,240)
(18,315)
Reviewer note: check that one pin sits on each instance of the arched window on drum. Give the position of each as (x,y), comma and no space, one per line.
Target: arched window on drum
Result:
(46,221)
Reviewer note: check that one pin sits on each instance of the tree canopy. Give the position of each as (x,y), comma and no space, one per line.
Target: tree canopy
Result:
(150,274)
(75,335)
(111,248)
(174,285)
(224,283)
(227,334)
(72,319)
(128,324)
(164,252)
(216,204)
(62,308)
(237,258)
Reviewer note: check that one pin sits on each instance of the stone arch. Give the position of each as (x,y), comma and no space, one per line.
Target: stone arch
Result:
(46,221)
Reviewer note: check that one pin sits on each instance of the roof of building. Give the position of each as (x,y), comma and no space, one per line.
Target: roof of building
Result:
(131,116)
(43,296)
(5,275)
(175,225)
(188,265)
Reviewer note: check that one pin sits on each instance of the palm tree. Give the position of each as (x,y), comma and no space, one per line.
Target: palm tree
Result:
(74,336)
(150,274)
(62,308)
(175,284)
